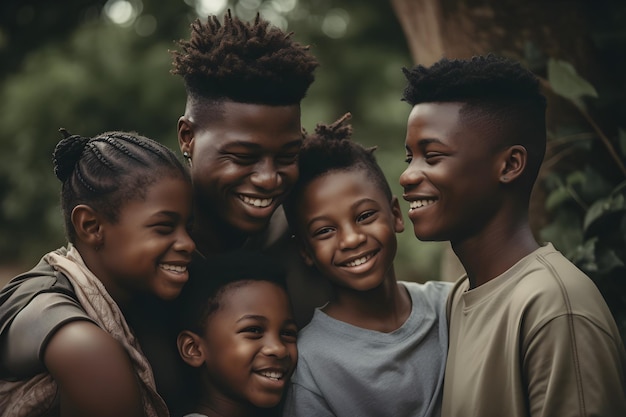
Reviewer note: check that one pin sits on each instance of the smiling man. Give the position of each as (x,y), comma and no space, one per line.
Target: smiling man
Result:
(530,334)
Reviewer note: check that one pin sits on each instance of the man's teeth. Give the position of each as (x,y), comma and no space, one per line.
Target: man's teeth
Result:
(359,261)
(275,375)
(420,203)
(175,268)
(257,202)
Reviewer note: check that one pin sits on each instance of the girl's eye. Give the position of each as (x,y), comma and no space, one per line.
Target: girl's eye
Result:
(322,232)
(164,228)
(255,330)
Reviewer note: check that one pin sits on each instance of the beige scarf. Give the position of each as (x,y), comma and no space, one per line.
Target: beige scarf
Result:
(37,395)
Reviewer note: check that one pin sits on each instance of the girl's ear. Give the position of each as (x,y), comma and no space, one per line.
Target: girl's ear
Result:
(397,215)
(513,163)
(190,348)
(88,225)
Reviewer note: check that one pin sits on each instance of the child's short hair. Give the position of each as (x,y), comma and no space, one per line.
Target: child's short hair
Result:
(211,277)
(496,90)
(330,149)
(108,170)
(244,62)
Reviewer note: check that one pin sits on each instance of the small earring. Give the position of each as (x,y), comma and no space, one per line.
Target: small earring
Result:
(187,157)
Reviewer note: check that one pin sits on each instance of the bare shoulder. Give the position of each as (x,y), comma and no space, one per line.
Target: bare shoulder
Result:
(93,371)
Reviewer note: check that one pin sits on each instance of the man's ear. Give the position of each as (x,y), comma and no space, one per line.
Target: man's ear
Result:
(185,135)
(513,163)
(397,215)
(88,225)
(190,349)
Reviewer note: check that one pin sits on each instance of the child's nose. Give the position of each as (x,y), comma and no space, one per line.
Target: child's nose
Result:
(274,346)
(185,243)
(351,237)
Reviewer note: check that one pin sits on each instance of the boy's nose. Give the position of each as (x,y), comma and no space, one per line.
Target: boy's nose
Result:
(351,237)
(275,347)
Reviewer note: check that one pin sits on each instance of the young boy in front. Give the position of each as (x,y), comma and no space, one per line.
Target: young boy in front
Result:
(378,347)
(238,334)
(530,335)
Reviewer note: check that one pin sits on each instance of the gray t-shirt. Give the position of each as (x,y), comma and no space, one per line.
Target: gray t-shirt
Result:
(344,370)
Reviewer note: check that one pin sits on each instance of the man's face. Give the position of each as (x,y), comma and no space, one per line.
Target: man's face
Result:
(244,161)
(451,181)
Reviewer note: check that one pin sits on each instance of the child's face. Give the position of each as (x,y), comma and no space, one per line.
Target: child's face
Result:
(148,248)
(348,226)
(451,182)
(245,162)
(249,344)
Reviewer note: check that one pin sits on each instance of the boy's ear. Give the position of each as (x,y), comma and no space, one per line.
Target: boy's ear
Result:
(189,348)
(185,135)
(397,215)
(88,225)
(513,164)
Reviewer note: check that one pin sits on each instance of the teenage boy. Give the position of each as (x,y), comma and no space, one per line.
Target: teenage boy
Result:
(530,335)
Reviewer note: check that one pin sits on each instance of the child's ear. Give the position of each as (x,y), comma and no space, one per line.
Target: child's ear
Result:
(189,348)
(88,225)
(397,215)
(513,163)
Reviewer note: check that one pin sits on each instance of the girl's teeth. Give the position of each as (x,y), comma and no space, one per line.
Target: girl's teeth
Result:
(175,268)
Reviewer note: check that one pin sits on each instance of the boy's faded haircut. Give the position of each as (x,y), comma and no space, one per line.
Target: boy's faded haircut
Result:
(211,277)
(330,149)
(497,91)
(253,63)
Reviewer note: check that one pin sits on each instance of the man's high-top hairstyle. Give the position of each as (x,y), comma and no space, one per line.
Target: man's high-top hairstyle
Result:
(108,170)
(327,150)
(253,63)
(498,93)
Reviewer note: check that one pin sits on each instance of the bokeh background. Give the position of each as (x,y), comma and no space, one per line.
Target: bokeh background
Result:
(93,65)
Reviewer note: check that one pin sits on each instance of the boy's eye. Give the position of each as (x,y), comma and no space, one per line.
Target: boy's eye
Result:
(254,330)
(164,228)
(366,215)
(290,334)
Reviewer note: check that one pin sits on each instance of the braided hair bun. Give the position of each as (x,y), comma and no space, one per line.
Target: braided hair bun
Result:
(67,153)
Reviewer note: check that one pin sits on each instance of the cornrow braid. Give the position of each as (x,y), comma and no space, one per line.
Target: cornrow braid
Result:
(331,149)
(253,63)
(108,170)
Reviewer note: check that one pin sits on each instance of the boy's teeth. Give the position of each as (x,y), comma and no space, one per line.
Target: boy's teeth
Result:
(359,261)
(420,203)
(175,268)
(257,202)
(272,374)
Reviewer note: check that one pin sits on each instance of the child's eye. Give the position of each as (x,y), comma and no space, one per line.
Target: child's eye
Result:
(254,330)
(366,215)
(290,334)
(164,228)
(322,232)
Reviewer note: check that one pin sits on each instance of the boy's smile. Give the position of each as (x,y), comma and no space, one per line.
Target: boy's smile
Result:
(349,228)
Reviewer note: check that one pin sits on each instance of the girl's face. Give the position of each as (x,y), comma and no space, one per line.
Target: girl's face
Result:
(249,346)
(348,226)
(148,248)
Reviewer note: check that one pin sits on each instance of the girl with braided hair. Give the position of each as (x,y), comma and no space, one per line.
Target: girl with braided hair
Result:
(66,347)
(378,347)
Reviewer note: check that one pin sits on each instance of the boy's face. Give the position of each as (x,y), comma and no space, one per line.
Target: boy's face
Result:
(348,227)
(148,248)
(243,161)
(452,179)
(249,344)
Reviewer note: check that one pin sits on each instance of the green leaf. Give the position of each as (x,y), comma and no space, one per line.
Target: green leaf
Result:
(566,82)
(603,208)
(557,198)
(576,177)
